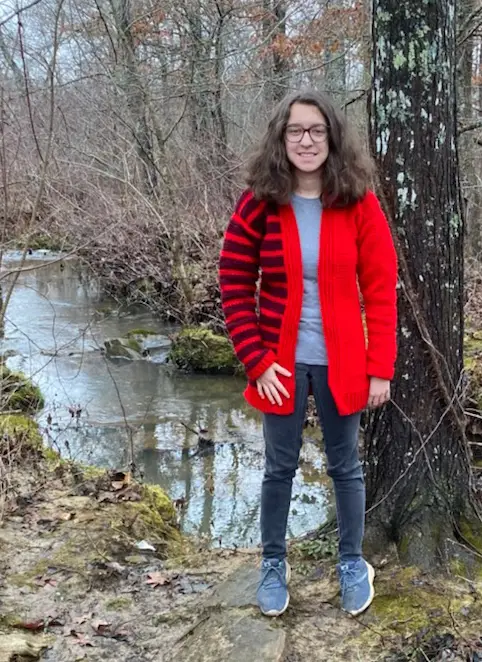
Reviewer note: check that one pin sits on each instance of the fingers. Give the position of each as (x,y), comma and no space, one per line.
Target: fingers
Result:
(269,386)
(269,391)
(272,390)
(379,399)
(281,370)
(280,388)
(260,389)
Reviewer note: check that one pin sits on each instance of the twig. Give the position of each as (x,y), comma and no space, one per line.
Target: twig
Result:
(196,432)
(104,556)
(19,11)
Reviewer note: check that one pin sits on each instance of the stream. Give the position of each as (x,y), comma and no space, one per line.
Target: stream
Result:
(56,325)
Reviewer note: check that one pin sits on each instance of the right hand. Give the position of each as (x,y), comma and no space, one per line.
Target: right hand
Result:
(269,386)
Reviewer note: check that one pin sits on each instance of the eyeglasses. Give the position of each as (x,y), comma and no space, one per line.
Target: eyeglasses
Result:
(296,133)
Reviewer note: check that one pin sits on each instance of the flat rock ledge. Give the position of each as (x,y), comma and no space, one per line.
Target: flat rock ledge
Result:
(232,629)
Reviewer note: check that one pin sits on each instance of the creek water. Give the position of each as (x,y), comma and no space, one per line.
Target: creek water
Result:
(56,325)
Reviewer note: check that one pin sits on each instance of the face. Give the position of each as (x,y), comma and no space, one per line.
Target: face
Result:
(309,154)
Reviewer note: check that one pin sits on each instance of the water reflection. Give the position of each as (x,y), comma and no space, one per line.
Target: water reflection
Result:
(57,323)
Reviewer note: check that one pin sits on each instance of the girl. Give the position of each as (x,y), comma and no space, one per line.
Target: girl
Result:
(310,224)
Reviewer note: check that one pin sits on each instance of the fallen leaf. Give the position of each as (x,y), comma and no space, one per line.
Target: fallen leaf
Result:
(128,494)
(120,480)
(157,579)
(34,625)
(45,581)
(39,624)
(120,635)
(101,627)
(80,620)
(81,639)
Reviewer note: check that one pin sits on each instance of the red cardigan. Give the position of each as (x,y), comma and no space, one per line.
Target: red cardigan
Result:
(355,246)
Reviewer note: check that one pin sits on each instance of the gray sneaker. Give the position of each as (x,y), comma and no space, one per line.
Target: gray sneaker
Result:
(356,583)
(273,596)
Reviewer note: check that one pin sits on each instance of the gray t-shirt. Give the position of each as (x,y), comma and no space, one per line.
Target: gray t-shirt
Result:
(310,348)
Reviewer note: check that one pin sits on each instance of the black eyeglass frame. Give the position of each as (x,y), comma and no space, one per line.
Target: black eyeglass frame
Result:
(326,133)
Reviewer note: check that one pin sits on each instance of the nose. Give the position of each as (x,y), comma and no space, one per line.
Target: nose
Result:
(306,139)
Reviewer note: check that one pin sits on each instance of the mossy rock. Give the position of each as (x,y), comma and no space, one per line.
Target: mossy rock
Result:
(125,348)
(107,531)
(20,426)
(24,432)
(201,350)
(140,333)
(411,604)
(18,392)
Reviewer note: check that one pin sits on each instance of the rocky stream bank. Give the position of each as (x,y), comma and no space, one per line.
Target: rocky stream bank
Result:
(93,567)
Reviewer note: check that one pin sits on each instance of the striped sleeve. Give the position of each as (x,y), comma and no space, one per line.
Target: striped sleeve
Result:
(238,276)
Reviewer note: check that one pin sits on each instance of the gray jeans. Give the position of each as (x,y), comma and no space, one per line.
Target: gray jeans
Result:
(282,436)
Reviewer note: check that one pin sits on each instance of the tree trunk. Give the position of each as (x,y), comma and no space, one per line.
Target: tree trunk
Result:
(419,490)
(335,62)
(130,81)
(275,64)
(207,67)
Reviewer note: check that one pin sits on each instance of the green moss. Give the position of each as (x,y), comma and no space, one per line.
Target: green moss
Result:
(21,427)
(134,344)
(27,577)
(155,497)
(200,350)
(406,602)
(154,516)
(472,532)
(89,471)
(458,567)
(143,333)
(10,620)
(17,392)
(403,546)
(122,347)
(323,546)
(52,455)
(117,604)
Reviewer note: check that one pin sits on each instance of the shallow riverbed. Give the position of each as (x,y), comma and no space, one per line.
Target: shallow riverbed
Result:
(57,323)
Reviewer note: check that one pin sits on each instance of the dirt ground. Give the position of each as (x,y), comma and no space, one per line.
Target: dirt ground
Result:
(93,567)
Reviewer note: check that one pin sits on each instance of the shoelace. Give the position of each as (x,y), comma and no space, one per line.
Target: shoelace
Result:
(347,578)
(274,577)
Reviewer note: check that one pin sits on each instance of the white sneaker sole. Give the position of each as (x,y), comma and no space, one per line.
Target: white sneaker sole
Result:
(276,612)
(371,577)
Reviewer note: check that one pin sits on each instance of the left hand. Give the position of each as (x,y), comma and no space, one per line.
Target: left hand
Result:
(379,392)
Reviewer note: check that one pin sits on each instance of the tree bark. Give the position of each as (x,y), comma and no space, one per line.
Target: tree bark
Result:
(335,62)
(419,484)
(275,64)
(130,81)
(207,67)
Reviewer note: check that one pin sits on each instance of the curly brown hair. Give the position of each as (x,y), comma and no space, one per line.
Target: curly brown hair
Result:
(347,173)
